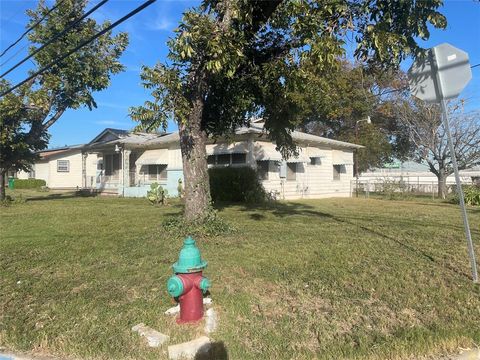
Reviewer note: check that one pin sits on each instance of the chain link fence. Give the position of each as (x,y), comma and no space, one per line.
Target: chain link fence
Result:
(391,188)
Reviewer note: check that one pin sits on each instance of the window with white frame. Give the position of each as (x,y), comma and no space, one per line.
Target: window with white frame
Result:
(227,159)
(63,165)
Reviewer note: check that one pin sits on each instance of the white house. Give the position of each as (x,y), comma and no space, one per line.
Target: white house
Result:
(66,167)
(125,163)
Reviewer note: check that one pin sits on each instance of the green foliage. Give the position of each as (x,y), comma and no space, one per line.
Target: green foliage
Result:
(471,195)
(242,58)
(393,189)
(71,83)
(21,131)
(157,194)
(236,184)
(180,188)
(211,225)
(29,183)
(27,113)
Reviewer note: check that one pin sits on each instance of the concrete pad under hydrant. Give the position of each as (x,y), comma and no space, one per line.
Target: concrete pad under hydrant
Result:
(154,337)
(188,350)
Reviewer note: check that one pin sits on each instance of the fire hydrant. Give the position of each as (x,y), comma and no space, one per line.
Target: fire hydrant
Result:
(188,283)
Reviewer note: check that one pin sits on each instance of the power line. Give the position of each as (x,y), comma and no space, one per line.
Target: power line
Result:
(474,66)
(86,42)
(56,37)
(31,28)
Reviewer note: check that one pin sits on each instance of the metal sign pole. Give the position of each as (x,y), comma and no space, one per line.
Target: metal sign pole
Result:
(471,252)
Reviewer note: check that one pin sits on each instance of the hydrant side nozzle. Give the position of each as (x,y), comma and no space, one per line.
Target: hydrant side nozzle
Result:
(204,284)
(175,286)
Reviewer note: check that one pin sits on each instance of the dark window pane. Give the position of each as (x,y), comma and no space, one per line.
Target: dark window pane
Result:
(223,159)
(162,170)
(211,160)
(262,169)
(239,158)
(336,172)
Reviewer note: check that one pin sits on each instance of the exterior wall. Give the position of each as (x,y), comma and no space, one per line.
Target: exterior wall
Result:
(42,171)
(23,175)
(70,179)
(312,181)
(46,169)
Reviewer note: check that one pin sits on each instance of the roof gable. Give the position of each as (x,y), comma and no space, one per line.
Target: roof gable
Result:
(109,135)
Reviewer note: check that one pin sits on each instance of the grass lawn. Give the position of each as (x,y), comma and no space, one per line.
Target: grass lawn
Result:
(326,279)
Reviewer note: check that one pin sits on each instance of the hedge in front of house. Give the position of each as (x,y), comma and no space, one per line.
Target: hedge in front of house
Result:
(29,183)
(236,184)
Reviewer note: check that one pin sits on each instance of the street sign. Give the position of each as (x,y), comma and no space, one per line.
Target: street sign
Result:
(441,74)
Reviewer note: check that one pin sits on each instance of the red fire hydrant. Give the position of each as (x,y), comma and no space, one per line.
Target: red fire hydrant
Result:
(188,283)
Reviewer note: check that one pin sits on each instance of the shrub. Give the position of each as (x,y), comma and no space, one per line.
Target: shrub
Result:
(471,194)
(212,225)
(29,183)
(157,194)
(236,184)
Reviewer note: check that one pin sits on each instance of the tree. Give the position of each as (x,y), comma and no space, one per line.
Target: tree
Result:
(429,139)
(69,84)
(21,134)
(335,103)
(231,59)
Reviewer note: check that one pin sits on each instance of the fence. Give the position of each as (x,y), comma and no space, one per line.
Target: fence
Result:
(394,188)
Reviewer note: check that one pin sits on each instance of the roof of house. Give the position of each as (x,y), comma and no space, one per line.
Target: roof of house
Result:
(257,128)
(151,140)
(58,150)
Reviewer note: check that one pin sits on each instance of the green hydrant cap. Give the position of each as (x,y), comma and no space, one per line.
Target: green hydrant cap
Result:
(190,259)
(175,286)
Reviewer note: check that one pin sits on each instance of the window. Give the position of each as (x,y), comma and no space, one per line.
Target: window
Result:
(223,159)
(211,160)
(31,174)
(157,172)
(262,169)
(315,161)
(291,171)
(337,169)
(239,158)
(227,159)
(63,165)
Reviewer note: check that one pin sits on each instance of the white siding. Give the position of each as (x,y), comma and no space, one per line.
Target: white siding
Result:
(42,171)
(312,181)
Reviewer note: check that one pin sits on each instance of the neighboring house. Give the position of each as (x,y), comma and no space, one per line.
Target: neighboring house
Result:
(127,163)
(62,168)
(416,173)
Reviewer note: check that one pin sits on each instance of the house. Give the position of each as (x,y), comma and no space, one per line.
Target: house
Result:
(64,168)
(413,172)
(127,163)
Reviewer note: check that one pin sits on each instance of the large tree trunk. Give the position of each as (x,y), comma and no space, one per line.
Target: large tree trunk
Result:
(3,173)
(192,142)
(442,184)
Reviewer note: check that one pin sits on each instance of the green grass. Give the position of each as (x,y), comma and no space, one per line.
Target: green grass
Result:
(326,279)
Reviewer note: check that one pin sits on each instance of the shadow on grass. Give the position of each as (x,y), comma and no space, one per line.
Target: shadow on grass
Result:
(282,210)
(62,196)
(212,351)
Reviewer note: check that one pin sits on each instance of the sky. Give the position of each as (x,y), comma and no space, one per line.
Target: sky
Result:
(150,30)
